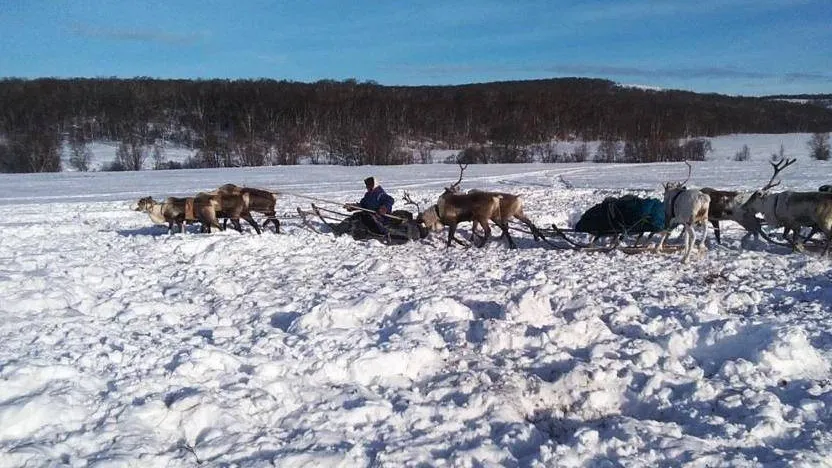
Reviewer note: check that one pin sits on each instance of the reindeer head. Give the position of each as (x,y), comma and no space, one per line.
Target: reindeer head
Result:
(427,220)
(430,219)
(144,204)
(777,166)
(757,199)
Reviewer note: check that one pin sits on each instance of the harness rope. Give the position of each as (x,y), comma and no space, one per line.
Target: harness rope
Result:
(333,202)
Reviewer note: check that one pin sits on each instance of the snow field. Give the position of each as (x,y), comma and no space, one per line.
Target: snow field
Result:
(123,346)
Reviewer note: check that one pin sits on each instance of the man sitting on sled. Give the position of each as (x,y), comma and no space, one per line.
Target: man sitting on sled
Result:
(371,216)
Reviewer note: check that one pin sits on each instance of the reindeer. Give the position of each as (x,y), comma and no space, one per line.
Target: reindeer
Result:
(179,211)
(511,206)
(792,210)
(259,201)
(453,208)
(729,205)
(232,206)
(204,207)
(687,207)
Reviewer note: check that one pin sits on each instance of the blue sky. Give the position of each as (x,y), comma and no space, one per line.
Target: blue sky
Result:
(740,47)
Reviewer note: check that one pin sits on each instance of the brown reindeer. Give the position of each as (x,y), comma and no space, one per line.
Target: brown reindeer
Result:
(453,208)
(204,207)
(259,201)
(730,205)
(178,211)
(232,207)
(511,206)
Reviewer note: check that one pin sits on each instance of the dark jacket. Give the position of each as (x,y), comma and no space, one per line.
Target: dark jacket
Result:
(375,199)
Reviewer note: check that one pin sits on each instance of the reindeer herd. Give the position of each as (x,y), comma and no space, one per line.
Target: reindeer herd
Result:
(228,202)
(683,206)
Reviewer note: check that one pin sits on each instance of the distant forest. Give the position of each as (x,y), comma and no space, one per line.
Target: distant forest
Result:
(266,122)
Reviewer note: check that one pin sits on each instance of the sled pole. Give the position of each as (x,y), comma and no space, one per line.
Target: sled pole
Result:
(333,202)
(562,235)
(528,231)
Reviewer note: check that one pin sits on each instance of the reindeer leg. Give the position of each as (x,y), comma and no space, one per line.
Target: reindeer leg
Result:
(473,236)
(486,233)
(252,222)
(236,223)
(716,230)
(660,245)
(452,236)
(689,241)
(272,219)
(704,235)
(511,244)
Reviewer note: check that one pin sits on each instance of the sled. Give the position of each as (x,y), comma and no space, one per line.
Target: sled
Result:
(404,232)
(626,220)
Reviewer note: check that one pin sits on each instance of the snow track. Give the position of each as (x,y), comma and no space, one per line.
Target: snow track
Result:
(123,346)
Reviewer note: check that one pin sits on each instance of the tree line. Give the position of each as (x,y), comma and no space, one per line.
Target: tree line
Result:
(266,122)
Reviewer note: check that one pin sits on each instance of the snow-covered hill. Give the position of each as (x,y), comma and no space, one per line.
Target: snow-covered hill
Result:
(123,346)
(761,147)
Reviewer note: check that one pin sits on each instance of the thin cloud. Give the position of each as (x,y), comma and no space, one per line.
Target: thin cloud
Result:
(694,72)
(618,71)
(792,77)
(138,35)
(651,8)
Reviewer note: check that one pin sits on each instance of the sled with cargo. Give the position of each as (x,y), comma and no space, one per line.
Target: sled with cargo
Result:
(400,229)
(625,223)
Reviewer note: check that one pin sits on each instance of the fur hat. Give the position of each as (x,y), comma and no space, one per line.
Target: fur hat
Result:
(370,182)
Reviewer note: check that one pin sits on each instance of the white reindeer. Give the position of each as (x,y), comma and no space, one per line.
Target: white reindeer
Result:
(687,207)
(792,210)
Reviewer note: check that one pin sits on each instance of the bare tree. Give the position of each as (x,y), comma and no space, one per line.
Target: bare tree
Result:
(743,155)
(819,146)
(81,156)
(131,155)
(581,153)
(159,161)
(608,151)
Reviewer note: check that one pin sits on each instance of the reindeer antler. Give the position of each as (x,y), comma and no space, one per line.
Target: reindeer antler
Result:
(690,169)
(778,166)
(462,168)
(673,185)
(409,201)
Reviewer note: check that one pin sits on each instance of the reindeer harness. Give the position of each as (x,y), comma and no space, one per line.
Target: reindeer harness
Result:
(673,204)
(189,209)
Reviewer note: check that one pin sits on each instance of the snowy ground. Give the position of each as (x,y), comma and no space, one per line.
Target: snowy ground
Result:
(123,346)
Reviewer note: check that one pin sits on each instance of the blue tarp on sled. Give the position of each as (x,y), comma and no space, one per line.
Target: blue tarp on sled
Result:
(626,215)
